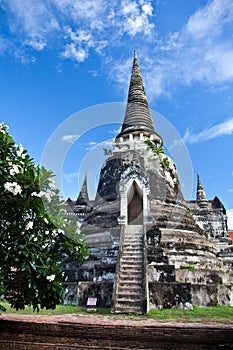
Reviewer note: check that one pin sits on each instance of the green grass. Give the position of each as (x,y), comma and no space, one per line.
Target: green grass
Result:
(60,310)
(220,314)
(207,314)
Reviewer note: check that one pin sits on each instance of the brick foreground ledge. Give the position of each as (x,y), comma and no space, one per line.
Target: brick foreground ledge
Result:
(102,332)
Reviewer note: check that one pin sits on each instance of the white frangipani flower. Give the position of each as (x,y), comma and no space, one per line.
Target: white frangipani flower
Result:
(29,226)
(35,194)
(13,187)
(47,195)
(20,151)
(14,170)
(50,278)
(3,128)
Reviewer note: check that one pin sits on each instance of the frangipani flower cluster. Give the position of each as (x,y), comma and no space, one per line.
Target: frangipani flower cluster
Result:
(42,194)
(3,128)
(13,187)
(33,241)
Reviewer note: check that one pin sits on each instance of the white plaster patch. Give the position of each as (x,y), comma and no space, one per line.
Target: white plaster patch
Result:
(169,179)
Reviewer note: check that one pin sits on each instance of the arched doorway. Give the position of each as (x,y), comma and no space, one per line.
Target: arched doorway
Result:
(135,205)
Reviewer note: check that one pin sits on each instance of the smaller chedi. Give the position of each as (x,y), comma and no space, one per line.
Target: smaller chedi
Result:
(149,248)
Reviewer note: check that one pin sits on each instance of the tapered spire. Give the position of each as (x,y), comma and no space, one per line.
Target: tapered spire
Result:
(137,116)
(83,197)
(200,196)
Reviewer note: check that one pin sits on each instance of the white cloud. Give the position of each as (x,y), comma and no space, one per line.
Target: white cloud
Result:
(70,138)
(120,73)
(73,26)
(71,177)
(147,9)
(230,218)
(79,35)
(76,53)
(136,18)
(201,51)
(31,18)
(79,45)
(210,19)
(107,143)
(222,129)
(115,131)
(90,145)
(36,42)
(4,44)
(129,7)
(84,11)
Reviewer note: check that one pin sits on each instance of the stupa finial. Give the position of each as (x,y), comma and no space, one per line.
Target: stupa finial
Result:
(137,115)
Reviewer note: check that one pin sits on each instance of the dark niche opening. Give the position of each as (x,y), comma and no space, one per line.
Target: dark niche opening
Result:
(135,205)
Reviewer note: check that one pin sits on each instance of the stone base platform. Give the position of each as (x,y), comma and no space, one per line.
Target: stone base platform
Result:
(105,333)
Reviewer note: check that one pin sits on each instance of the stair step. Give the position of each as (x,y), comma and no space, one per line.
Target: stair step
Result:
(131,282)
(133,305)
(125,292)
(131,272)
(133,244)
(136,277)
(130,245)
(131,269)
(130,279)
(129,299)
(125,287)
(132,256)
(129,303)
(132,260)
(128,310)
(131,250)
(126,295)
(131,264)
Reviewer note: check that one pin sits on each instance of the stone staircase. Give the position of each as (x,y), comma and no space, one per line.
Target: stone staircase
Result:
(129,287)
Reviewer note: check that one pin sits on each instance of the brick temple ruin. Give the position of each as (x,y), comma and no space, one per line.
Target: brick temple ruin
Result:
(149,248)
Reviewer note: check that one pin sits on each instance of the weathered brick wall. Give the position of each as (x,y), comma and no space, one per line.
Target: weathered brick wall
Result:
(100,290)
(29,335)
(168,295)
(212,294)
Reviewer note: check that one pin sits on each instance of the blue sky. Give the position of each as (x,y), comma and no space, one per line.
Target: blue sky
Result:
(60,57)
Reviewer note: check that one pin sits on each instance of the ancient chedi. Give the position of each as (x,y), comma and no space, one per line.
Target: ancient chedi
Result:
(146,249)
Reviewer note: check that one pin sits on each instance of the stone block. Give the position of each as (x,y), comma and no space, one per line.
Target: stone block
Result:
(169,295)
(100,290)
